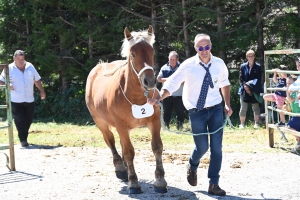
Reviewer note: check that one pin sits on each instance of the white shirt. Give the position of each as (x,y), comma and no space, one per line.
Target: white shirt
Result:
(192,73)
(23,83)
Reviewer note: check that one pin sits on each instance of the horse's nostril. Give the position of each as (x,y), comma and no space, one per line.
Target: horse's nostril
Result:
(145,82)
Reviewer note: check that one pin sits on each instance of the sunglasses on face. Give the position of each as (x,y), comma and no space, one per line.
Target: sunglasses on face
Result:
(206,48)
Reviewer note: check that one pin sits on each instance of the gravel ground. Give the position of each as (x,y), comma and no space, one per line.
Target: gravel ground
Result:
(88,173)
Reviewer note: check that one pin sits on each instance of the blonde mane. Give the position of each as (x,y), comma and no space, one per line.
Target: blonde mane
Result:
(137,37)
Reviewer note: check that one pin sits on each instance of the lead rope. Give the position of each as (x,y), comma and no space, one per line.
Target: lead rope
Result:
(227,121)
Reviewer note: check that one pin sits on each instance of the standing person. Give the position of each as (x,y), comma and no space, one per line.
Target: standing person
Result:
(203,75)
(23,76)
(278,96)
(175,100)
(297,62)
(249,72)
(293,98)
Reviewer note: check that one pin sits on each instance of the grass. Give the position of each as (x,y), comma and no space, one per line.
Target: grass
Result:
(69,135)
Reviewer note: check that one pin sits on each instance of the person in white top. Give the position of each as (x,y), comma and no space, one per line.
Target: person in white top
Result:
(203,75)
(23,76)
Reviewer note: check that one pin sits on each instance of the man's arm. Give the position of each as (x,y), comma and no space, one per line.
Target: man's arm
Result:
(226,96)
(161,79)
(38,84)
(161,95)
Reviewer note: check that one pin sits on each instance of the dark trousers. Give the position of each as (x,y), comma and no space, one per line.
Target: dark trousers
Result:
(173,102)
(23,116)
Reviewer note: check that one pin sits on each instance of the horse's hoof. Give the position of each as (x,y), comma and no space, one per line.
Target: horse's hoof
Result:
(160,190)
(122,175)
(135,191)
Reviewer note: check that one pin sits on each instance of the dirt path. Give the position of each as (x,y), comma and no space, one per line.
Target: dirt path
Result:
(88,173)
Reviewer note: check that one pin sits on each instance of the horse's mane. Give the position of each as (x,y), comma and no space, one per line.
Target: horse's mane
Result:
(137,37)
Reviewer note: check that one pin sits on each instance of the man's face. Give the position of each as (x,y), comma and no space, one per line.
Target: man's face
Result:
(298,65)
(203,48)
(173,60)
(250,57)
(289,82)
(19,60)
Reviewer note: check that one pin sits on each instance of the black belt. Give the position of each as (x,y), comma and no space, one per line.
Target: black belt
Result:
(174,97)
(210,106)
(195,109)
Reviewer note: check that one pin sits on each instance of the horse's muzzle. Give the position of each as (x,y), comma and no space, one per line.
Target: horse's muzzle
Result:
(149,83)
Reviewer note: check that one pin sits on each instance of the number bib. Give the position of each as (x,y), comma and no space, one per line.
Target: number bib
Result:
(142,111)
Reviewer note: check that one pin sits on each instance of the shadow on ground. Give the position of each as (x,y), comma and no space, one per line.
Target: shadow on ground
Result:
(17,176)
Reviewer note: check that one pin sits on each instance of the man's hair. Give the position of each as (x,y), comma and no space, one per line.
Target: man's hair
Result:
(201,35)
(282,67)
(250,52)
(19,53)
(293,77)
(174,53)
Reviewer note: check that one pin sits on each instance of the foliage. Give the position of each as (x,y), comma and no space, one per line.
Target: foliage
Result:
(66,39)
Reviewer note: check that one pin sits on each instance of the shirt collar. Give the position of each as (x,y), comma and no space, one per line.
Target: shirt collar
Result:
(198,60)
(26,64)
(177,65)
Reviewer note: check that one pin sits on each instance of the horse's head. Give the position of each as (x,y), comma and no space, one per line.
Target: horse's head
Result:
(138,47)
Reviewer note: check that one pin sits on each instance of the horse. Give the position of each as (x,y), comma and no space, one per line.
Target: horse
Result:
(116,96)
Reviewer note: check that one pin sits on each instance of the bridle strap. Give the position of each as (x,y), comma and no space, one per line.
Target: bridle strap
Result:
(144,68)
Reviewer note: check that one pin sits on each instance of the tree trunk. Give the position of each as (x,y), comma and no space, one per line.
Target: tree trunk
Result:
(185,31)
(155,46)
(221,27)
(90,41)
(298,38)
(64,79)
(260,38)
(27,33)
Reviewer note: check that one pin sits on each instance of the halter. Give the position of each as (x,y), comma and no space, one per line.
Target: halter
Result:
(142,70)
(139,77)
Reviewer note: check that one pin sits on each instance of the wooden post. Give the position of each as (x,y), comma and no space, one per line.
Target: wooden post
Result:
(271,137)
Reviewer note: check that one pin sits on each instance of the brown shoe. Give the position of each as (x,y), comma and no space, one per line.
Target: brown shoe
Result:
(215,189)
(191,176)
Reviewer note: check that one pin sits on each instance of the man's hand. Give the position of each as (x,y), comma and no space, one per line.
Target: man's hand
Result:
(11,87)
(247,89)
(152,101)
(43,95)
(228,110)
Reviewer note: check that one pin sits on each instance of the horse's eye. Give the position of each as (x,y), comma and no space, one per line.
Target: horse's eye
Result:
(132,54)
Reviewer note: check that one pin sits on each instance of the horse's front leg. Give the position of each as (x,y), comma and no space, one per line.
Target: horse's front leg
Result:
(160,184)
(128,155)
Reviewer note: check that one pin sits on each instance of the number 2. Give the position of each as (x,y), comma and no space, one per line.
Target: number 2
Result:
(143,111)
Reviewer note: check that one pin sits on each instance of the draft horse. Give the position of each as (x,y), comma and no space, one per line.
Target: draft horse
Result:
(116,96)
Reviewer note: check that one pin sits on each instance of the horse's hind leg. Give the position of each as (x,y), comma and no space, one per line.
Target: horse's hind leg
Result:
(120,168)
(160,184)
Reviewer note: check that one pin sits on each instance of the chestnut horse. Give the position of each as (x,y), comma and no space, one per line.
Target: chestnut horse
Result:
(116,95)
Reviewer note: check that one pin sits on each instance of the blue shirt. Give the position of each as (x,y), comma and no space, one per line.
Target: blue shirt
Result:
(280,84)
(167,71)
(22,82)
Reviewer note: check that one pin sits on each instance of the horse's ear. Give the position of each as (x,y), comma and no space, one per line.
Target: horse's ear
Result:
(127,34)
(150,30)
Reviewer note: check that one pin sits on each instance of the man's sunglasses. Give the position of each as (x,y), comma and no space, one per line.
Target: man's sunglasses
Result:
(206,48)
